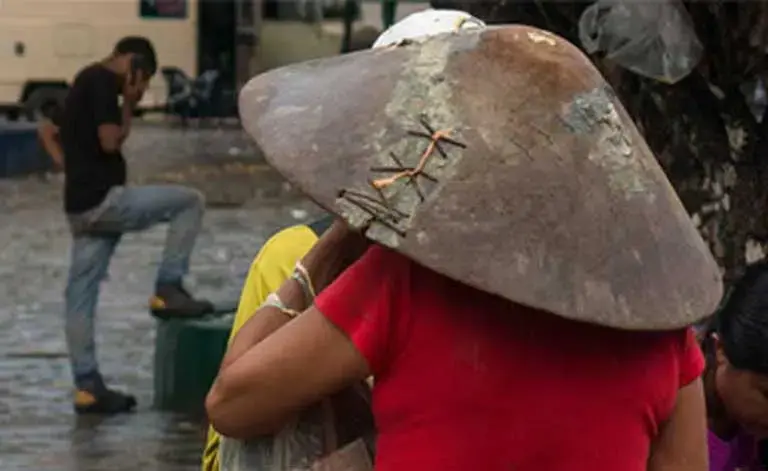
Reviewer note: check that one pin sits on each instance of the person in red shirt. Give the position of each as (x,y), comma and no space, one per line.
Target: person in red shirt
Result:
(463,379)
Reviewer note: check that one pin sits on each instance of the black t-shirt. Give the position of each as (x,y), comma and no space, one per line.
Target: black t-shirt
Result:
(90,171)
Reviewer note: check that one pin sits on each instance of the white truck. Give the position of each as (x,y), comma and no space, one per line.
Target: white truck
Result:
(44,43)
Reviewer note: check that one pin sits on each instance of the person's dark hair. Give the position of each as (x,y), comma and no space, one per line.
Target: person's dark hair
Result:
(141,47)
(741,322)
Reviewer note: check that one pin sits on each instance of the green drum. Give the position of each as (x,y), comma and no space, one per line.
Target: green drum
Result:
(187,358)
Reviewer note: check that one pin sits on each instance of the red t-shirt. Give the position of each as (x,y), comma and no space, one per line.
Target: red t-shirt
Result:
(468,381)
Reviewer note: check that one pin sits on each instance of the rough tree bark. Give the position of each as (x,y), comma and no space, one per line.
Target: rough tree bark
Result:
(702,129)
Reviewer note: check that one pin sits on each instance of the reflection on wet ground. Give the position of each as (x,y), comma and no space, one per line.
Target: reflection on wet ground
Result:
(143,441)
(38,430)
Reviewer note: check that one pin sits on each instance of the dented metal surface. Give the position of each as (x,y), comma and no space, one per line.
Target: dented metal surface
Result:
(553,200)
(422,88)
(593,113)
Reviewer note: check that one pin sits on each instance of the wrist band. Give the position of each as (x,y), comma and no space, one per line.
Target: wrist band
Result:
(273,300)
(302,270)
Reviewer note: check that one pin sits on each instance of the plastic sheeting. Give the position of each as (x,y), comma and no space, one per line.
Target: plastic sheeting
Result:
(334,435)
(655,39)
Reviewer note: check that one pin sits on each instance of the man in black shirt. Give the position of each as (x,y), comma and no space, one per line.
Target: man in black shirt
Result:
(100,207)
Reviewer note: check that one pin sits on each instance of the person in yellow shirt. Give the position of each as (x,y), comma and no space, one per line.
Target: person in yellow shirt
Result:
(273,265)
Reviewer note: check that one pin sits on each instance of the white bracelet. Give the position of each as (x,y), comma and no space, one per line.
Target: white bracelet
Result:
(304,273)
(273,300)
(296,276)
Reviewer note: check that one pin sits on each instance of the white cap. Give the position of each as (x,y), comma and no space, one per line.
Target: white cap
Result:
(423,24)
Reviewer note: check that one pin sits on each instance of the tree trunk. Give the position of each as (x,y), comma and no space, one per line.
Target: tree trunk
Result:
(702,129)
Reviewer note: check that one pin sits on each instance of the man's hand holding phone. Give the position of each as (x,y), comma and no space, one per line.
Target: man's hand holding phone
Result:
(134,87)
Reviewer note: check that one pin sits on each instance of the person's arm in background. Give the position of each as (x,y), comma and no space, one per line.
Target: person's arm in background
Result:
(276,365)
(681,444)
(271,267)
(48,133)
(113,121)
(325,261)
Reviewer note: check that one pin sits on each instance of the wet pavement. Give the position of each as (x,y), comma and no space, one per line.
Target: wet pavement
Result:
(38,430)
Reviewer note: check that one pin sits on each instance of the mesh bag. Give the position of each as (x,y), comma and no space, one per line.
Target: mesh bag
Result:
(335,435)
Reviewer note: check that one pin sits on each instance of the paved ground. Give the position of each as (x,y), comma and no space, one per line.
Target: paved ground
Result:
(37,429)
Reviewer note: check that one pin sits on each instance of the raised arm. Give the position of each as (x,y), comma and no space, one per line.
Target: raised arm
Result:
(682,443)
(274,367)
(113,120)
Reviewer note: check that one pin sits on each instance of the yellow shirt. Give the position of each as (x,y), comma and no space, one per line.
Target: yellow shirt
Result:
(271,267)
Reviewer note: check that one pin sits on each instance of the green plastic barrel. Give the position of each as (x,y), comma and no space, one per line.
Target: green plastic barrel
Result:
(187,358)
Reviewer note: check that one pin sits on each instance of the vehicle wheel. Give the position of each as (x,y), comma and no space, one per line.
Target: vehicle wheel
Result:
(12,115)
(41,100)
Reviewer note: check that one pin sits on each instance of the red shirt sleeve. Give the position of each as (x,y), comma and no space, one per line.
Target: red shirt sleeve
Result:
(366,303)
(691,359)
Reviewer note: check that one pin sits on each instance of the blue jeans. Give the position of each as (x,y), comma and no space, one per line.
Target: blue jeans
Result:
(96,234)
